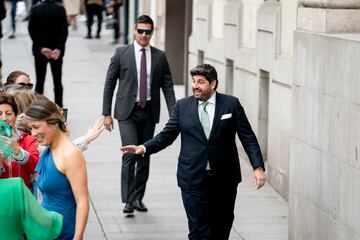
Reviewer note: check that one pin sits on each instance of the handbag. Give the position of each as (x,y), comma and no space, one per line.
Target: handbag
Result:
(110,22)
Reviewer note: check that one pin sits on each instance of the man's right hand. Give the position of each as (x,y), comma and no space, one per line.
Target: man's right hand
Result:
(133,149)
(108,122)
(46,52)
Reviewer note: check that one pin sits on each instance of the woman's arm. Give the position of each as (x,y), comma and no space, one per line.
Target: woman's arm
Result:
(75,170)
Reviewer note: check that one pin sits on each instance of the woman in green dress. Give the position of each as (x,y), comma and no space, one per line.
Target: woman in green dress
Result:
(20,213)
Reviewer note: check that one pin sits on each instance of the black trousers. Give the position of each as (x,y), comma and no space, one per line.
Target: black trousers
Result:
(94,10)
(56,68)
(137,129)
(210,210)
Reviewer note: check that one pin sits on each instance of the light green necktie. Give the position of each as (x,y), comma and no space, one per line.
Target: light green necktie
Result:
(205,121)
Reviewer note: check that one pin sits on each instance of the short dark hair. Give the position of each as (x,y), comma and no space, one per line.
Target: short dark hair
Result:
(206,70)
(8,99)
(144,19)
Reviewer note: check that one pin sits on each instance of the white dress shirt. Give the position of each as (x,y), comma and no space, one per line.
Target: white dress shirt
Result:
(138,54)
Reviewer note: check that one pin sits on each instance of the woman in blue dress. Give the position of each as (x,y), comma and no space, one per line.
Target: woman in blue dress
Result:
(62,177)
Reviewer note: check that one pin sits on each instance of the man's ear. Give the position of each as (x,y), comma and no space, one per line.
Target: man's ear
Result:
(213,84)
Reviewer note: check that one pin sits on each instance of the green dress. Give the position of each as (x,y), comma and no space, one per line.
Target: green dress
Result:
(20,212)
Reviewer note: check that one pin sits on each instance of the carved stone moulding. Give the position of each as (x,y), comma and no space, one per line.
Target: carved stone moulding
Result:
(338,4)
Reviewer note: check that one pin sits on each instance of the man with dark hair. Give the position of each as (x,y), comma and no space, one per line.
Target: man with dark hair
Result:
(208,166)
(141,71)
(48,29)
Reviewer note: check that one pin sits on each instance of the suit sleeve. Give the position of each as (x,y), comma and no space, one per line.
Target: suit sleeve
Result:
(247,137)
(167,136)
(167,86)
(63,30)
(33,26)
(112,76)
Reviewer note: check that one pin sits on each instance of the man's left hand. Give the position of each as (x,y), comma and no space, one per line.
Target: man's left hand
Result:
(259,178)
(55,54)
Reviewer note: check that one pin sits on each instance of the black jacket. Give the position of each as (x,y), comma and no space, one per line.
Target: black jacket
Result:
(48,26)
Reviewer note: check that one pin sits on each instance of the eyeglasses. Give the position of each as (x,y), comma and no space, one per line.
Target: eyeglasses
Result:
(26,85)
(146,31)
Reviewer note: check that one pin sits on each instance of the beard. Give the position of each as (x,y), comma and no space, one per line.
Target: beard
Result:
(202,95)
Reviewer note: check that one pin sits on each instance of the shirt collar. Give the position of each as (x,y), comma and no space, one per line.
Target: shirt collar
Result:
(138,48)
(211,100)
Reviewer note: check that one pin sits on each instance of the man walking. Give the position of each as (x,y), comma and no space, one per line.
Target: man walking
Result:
(141,71)
(208,166)
(48,29)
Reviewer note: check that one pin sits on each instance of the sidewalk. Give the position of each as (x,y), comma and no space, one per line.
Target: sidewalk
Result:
(259,214)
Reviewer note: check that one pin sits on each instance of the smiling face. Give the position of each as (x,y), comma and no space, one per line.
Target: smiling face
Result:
(142,37)
(42,131)
(7,114)
(202,88)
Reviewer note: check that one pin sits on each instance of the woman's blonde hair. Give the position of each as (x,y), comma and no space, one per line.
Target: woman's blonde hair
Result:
(24,98)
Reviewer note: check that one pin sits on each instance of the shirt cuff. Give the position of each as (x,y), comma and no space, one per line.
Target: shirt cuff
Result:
(81,143)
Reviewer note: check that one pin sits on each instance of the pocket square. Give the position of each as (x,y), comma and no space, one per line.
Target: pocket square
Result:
(226,116)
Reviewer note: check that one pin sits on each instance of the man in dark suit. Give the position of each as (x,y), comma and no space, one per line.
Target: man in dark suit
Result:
(141,71)
(208,166)
(48,29)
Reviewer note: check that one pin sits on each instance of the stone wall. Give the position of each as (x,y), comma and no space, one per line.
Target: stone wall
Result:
(324,158)
(324,196)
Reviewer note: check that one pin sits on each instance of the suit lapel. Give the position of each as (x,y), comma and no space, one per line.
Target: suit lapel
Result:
(153,63)
(132,62)
(195,117)
(217,114)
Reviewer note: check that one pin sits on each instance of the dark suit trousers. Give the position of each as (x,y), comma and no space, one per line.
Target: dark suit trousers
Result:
(137,129)
(210,210)
(56,68)
(94,10)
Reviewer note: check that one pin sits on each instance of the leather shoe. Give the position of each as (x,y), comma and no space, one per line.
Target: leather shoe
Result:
(140,206)
(129,208)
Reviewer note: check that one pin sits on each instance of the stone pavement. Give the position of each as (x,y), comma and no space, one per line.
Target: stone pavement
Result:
(259,214)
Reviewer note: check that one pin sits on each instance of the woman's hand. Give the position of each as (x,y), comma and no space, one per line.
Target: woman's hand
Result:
(5,147)
(94,130)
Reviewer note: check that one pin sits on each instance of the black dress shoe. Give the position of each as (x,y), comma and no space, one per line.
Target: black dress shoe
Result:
(140,206)
(129,208)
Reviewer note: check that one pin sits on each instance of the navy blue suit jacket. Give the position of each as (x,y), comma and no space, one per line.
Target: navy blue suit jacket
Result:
(220,149)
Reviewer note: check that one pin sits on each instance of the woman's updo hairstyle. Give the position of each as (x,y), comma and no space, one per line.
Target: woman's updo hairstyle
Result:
(45,110)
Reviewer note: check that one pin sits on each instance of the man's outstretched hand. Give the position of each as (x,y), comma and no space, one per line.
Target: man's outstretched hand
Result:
(133,149)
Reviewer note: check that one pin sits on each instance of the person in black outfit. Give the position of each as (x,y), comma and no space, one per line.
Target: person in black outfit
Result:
(2,15)
(48,29)
(94,8)
(208,165)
